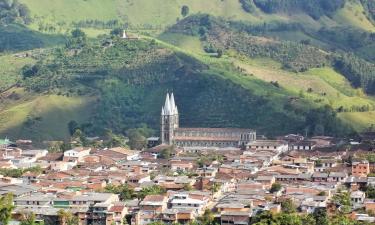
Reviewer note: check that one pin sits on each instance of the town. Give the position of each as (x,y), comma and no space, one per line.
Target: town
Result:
(191,175)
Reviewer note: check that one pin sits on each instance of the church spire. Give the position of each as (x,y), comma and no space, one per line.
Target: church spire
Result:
(167,105)
(173,104)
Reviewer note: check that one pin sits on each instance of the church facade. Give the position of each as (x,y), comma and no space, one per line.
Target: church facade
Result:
(172,134)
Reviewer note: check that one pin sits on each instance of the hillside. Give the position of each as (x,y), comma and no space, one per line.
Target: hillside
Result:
(265,68)
(158,14)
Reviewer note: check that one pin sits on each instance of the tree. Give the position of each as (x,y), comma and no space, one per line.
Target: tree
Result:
(124,191)
(114,140)
(288,206)
(370,191)
(275,187)
(321,217)
(29,219)
(215,187)
(6,208)
(72,126)
(342,198)
(116,32)
(67,218)
(219,53)
(188,187)
(136,139)
(77,40)
(166,153)
(153,190)
(185,10)
(207,218)
(78,33)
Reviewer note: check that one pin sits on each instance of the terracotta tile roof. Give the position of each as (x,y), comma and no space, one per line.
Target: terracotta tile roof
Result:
(214,130)
(184,138)
(117,208)
(58,156)
(154,198)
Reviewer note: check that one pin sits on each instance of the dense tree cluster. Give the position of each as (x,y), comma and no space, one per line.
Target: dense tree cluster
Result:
(248,5)
(314,8)
(11,11)
(369,5)
(358,71)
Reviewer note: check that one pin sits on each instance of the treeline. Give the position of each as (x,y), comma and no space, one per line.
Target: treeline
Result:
(314,8)
(11,11)
(111,24)
(16,37)
(369,5)
(359,72)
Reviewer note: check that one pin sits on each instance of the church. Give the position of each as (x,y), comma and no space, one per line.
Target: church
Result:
(172,134)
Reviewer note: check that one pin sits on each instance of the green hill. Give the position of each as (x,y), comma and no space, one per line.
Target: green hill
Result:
(265,68)
(158,14)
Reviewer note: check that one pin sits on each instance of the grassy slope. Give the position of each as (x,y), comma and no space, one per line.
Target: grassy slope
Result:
(359,120)
(10,66)
(139,13)
(73,10)
(161,13)
(55,113)
(335,87)
(353,14)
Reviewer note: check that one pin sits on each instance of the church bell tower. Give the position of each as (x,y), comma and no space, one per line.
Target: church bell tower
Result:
(169,120)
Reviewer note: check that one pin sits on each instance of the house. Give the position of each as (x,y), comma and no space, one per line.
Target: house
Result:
(76,153)
(357,197)
(151,209)
(309,206)
(276,145)
(361,168)
(319,177)
(185,201)
(235,217)
(337,176)
(181,165)
(303,145)
(266,180)
(127,153)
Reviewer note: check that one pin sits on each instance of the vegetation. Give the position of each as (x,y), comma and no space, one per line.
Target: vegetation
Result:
(275,187)
(314,8)
(122,80)
(12,11)
(67,217)
(318,217)
(6,208)
(30,219)
(124,191)
(152,190)
(16,173)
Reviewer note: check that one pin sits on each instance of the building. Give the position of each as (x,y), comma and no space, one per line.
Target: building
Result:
(172,134)
(360,169)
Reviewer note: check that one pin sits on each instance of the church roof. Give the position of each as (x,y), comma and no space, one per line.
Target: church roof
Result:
(190,138)
(215,130)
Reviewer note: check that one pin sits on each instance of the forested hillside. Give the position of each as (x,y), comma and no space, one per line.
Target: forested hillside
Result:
(278,66)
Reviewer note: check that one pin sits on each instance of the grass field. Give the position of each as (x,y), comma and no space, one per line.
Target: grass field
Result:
(43,117)
(10,67)
(353,14)
(325,84)
(359,120)
(139,13)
